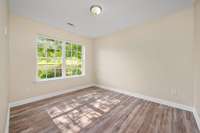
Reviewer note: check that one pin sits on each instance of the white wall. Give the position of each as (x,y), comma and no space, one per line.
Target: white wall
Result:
(153,59)
(3,65)
(23,33)
(197,57)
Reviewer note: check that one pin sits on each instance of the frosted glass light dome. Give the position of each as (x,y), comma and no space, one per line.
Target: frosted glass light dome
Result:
(96,10)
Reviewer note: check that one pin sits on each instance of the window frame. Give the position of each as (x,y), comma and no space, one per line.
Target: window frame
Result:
(64,66)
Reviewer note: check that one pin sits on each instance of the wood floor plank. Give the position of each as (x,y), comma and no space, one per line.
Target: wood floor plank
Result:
(95,110)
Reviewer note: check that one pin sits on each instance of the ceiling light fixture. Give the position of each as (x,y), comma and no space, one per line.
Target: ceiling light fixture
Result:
(96,10)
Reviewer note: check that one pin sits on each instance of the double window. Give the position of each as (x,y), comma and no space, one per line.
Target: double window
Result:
(58,59)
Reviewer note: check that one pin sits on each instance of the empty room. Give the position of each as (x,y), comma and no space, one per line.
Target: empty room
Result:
(99,66)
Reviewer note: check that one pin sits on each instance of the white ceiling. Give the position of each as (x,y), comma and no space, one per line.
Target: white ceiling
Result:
(117,14)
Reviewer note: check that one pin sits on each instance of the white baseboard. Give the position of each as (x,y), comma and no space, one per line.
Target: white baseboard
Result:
(148,98)
(7,121)
(38,98)
(197,117)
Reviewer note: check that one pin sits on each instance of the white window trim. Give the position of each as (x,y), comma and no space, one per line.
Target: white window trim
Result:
(63,61)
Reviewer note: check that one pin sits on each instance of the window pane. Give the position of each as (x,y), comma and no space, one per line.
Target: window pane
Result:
(58,72)
(50,61)
(42,71)
(50,71)
(42,42)
(42,67)
(79,70)
(69,70)
(74,70)
(73,60)
(52,65)
(50,52)
(75,65)
(68,51)
(79,52)
(69,66)
(58,53)
(42,61)
(58,44)
(51,44)
(58,49)
(74,50)
(68,54)
(58,62)
(49,58)
(41,52)
(58,67)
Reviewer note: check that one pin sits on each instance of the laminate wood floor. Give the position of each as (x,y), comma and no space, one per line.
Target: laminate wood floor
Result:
(95,110)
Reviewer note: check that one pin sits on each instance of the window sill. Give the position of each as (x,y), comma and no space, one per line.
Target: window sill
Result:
(61,78)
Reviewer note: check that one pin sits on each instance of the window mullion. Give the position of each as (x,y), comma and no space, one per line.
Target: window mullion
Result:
(72,61)
(46,62)
(63,60)
(55,61)
(76,59)
(83,60)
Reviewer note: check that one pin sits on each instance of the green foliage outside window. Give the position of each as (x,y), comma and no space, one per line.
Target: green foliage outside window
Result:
(73,59)
(50,58)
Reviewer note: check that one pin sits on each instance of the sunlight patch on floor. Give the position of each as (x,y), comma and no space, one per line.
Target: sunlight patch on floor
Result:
(62,108)
(76,120)
(105,104)
(72,116)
